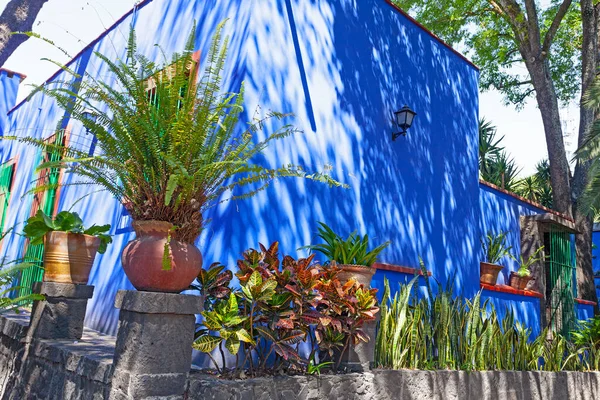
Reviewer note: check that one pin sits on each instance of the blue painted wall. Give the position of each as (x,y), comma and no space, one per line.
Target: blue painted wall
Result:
(584,311)
(9,86)
(342,68)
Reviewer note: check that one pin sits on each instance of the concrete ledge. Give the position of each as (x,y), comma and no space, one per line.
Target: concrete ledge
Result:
(158,303)
(67,290)
(405,384)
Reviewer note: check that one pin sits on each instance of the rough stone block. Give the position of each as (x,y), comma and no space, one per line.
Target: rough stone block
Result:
(158,303)
(61,314)
(359,358)
(68,290)
(153,353)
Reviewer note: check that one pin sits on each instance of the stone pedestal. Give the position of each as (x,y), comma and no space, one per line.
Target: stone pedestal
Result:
(61,314)
(153,353)
(360,358)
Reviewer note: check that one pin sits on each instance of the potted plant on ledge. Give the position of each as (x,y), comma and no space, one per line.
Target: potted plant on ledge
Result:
(495,249)
(170,146)
(69,247)
(522,276)
(352,254)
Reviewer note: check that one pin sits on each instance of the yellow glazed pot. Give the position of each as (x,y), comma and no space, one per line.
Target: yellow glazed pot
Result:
(69,257)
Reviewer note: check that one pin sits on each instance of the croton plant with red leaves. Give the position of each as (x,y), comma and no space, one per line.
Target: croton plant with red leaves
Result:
(281,304)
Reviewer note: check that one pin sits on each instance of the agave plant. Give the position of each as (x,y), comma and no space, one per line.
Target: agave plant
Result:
(525,264)
(495,247)
(169,145)
(354,250)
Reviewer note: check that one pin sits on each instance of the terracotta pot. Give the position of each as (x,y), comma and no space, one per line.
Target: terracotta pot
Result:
(488,273)
(142,259)
(361,273)
(69,257)
(519,282)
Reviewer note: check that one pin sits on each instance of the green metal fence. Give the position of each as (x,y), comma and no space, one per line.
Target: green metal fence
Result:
(44,198)
(561,281)
(6,175)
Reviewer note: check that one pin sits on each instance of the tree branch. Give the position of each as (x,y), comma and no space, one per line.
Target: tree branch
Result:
(18,16)
(560,14)
(513,84)
(523,96)
(511,11)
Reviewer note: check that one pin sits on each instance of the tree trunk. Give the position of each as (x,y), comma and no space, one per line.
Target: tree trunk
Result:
(18,16)
(548,105)
(584,224)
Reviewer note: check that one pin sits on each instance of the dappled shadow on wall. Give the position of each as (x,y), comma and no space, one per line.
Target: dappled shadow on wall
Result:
(352,65)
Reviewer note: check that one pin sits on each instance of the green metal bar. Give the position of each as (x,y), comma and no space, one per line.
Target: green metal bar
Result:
(562,285)
(34,254)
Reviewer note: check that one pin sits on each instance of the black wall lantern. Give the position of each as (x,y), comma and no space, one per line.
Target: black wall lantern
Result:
(403,118)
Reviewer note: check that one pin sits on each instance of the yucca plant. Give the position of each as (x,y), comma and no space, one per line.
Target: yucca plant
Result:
(354,250)
(169,145)
(442,331)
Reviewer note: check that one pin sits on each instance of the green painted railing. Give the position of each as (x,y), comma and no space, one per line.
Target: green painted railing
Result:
(562,282)
(45,195)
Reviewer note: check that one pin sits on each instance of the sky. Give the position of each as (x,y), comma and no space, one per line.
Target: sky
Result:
(74,23)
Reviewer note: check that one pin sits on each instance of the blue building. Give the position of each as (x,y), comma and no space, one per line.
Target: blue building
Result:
(342,68)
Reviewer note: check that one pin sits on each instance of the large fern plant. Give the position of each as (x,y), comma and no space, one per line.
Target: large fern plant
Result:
(170,145)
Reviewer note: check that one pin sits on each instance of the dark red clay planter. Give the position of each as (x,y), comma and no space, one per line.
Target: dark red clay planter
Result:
(488,273)
(142,259)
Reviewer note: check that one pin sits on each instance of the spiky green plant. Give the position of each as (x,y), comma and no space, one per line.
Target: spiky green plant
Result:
(442,331)
(170,145)
(526,264)
(495,247)
(353,250)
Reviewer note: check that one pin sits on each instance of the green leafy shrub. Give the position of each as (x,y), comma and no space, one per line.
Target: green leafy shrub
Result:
(65,221)
(353,250)
(170,145)
(281,304)
(495,247)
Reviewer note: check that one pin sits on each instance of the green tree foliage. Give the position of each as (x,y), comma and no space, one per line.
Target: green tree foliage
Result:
(491,41)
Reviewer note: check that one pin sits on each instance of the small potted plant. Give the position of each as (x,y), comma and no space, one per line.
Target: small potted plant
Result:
(352,254)
(69,247)
(495,249)
(522,276)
